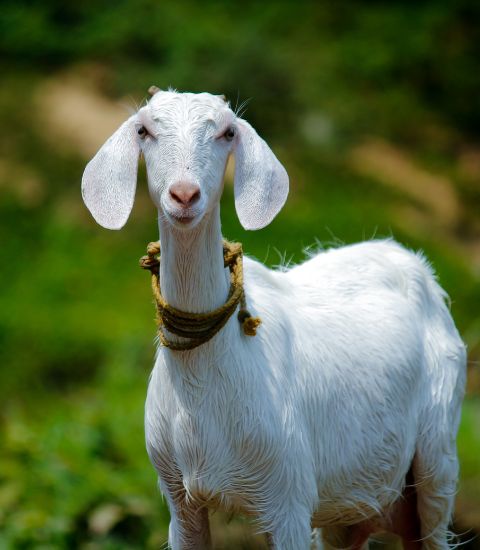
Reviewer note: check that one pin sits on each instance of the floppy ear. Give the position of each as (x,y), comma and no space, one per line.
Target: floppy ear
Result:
(110,178)
(261,182)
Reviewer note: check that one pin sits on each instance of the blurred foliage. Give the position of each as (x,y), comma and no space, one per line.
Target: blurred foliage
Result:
(76,319)
(357,59)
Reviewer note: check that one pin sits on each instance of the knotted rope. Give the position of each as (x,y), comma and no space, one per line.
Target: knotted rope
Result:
(198,328)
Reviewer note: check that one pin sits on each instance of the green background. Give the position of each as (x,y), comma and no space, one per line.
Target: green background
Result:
(373,108)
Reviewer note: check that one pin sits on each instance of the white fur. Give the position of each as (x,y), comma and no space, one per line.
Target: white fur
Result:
(356,371)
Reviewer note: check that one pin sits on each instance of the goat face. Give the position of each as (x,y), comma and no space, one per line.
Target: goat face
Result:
(186,140)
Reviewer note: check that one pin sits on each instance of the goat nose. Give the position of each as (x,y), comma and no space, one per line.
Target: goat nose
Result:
(185,193)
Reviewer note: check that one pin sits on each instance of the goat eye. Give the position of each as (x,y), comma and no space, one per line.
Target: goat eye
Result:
(142,132)
(229,134)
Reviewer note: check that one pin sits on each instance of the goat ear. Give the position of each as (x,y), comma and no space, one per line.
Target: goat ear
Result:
(261,182)
(110,178)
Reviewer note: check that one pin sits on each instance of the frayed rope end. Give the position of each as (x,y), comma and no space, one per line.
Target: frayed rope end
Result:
(249,323)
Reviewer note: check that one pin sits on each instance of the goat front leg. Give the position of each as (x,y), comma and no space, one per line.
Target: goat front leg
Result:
(291,531)
(189,528)
(189,525)
(315,540)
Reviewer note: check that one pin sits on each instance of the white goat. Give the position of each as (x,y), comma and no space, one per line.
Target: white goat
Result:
(348,396)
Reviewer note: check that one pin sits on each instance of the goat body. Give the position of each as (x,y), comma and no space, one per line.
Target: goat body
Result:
(353,382)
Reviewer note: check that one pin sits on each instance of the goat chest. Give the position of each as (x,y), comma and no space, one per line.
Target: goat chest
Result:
(214,437)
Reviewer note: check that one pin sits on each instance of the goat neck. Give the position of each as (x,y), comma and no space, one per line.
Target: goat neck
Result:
(192,273)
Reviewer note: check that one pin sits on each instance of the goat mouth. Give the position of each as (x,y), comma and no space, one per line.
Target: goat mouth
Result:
(183,218)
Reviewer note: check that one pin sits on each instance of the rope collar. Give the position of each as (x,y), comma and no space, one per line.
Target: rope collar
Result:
(198,328)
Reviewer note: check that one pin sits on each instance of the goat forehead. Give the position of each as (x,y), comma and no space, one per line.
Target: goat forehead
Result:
(176,109)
